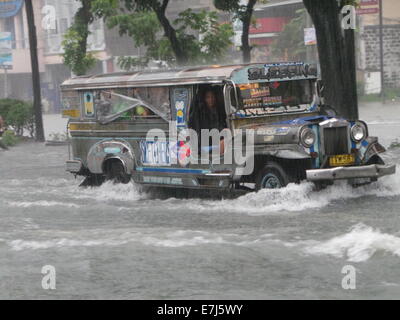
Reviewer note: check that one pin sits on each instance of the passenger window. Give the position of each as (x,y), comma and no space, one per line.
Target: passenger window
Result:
(130,103)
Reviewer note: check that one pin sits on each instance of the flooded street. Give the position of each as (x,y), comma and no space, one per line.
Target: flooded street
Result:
(118,242)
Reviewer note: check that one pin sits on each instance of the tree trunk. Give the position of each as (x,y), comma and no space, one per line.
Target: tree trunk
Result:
(246,20)
(170,33)
(83,18)
(336,50)
(37,99)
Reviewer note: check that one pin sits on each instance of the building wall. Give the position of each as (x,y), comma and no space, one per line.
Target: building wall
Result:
(369,53)
(391,41)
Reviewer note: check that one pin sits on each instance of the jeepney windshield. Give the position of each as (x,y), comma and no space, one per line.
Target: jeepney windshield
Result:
(115,104)
(278,96)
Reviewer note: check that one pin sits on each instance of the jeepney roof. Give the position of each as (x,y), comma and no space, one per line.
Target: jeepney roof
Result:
(205,74)
(240,73)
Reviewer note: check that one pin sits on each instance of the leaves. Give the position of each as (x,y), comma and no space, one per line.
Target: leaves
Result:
(75,41)
(199,34)
(74,57)
(290,41)
(18,114)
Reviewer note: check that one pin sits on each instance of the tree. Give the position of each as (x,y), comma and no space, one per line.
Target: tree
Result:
(336,48)
(75,53)
(37,98)
(146,22)
(290,42)
(244,13)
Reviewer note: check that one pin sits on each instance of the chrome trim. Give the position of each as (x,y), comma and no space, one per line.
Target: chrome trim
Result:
(333,123)
(218,174)
(342,173)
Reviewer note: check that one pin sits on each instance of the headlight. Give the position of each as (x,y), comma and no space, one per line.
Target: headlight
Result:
(358,132)
(307,137)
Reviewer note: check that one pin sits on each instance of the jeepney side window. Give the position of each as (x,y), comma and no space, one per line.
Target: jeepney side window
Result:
(154,96)
(110,101)
(129,103)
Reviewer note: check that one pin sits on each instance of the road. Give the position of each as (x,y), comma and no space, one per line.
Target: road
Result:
(119,242)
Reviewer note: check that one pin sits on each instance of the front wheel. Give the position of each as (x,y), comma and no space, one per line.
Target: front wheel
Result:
(272,176)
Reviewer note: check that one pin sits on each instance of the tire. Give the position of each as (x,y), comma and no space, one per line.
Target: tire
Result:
(272,176)
(117,173)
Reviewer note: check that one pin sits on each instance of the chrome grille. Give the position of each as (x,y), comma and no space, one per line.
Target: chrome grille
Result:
(336,141)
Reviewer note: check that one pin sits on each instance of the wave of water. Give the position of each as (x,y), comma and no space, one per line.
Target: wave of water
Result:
(156,238)
(358,245)
(42,203)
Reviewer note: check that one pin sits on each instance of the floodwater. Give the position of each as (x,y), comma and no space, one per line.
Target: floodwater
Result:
(118,242)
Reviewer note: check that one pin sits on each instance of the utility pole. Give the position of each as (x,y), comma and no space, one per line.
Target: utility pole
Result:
(382,65)
(37,99)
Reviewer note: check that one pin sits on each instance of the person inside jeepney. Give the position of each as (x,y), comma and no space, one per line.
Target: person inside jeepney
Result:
(140,111)
(210,116)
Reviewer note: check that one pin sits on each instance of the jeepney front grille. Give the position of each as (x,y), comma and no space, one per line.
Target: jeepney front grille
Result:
(336,141)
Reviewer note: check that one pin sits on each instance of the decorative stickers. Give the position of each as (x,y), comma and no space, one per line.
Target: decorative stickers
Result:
(88,102)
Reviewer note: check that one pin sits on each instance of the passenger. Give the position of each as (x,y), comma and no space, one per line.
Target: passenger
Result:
(142,111)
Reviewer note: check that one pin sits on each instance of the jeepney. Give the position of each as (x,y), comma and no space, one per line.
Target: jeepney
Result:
(133,126)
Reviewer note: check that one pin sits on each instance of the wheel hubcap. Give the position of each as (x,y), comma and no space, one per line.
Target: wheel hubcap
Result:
(271,182)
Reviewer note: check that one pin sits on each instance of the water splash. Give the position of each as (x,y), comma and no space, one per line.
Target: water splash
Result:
(358,245)
(297,198)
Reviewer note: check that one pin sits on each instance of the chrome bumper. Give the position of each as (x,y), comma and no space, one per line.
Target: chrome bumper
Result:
(73,166)
(371,171)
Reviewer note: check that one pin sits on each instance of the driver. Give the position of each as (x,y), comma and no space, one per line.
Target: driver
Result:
(211,118)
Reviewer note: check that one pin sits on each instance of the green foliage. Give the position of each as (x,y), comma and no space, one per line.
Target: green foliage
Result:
(350,2)
(244,13)
(290,42)
(9,138)
(18,114)
(199,36)
(214,41)
(78,62)
(75,41)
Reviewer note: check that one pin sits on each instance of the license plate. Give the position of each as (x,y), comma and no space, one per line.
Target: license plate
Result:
(342,160)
